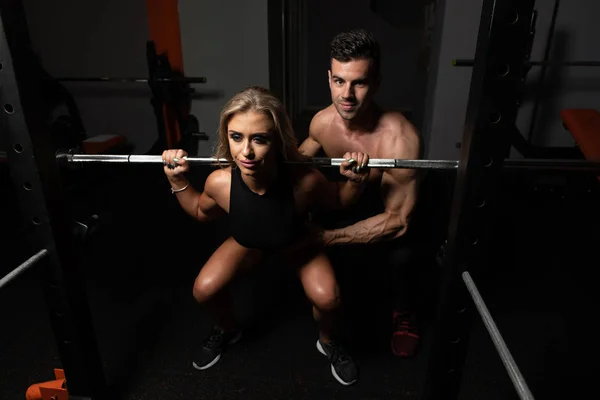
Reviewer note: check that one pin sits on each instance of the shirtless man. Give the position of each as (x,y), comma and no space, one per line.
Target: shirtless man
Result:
(353,121)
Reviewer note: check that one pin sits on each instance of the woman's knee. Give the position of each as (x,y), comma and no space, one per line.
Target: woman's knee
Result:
(204,289)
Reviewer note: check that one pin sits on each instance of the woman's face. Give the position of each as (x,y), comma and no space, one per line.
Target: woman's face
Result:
(251,141)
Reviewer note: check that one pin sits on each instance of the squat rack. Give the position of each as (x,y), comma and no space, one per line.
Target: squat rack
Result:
(497,81)
(39,191)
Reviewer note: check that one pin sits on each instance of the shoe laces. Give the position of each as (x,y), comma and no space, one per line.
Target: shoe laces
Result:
(215,339)
(338,353)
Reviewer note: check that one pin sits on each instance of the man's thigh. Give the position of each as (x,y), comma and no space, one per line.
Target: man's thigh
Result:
(372,259)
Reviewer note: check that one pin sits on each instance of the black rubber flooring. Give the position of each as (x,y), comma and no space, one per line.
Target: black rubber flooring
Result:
(139,274)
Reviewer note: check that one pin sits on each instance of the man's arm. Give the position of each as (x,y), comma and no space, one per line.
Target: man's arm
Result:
(399,190)
(338,195)
(332,195)
(311,147)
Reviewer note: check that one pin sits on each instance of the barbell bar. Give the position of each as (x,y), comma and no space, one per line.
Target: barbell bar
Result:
(315,162)
(462,62)
(510,164)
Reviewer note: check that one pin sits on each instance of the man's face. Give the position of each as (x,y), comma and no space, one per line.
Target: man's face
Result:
(352,86)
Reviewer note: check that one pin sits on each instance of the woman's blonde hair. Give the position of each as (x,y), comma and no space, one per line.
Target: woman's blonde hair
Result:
(259,99)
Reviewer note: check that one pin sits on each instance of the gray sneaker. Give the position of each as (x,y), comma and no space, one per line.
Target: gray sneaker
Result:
(343,367)
(214,346)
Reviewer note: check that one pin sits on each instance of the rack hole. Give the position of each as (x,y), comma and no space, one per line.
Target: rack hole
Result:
(503,70)
(495,117)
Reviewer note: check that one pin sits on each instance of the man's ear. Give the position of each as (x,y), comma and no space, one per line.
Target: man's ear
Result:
(329,75)
(374,83)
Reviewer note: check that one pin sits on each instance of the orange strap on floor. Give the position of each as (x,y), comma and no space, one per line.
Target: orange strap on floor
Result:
(584,125)
(163,24)
(51,390)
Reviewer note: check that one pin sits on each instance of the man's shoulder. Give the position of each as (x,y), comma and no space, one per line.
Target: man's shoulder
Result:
(321,120)
(397,122)
(325,113)
(401,133)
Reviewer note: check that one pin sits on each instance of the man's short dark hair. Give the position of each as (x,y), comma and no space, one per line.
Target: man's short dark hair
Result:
(356,44)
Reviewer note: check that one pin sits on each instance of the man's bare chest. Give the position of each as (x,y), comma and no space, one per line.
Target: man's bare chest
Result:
(336,146)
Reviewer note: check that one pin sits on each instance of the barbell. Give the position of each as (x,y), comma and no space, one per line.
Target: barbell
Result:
(318,162)
(321,162)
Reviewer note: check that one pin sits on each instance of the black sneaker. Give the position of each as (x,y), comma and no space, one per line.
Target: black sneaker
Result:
(343,367)
(213,347)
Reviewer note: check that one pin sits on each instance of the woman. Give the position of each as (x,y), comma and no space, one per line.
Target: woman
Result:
(267,201)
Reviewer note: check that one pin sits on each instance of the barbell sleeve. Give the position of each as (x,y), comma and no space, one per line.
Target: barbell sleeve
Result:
(130,158)
(383,163)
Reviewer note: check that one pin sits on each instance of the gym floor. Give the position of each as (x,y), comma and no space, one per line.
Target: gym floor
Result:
(141,262)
